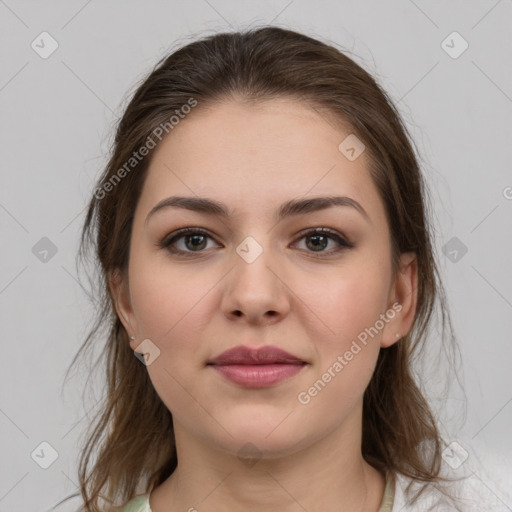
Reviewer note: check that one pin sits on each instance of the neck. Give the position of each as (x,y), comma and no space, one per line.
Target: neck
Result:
(328,475)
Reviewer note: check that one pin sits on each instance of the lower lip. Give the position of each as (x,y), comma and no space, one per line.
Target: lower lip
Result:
(258,376)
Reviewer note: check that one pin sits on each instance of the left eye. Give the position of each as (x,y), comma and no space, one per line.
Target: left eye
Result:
(319,239)
(195,240)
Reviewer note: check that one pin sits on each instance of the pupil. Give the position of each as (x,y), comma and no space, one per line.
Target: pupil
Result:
(195,238)
(322,246)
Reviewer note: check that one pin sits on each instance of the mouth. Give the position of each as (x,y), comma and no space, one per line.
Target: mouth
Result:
(257,368)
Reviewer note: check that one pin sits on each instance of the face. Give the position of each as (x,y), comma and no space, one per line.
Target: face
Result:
(255,279)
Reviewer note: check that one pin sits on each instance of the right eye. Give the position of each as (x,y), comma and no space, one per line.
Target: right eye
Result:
(194,241)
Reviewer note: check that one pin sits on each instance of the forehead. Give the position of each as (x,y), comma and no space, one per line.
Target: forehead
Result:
(258,154)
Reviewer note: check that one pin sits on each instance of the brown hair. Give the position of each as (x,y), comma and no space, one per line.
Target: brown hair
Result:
(132,438)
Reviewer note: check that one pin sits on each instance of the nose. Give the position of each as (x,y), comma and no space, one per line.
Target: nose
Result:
(256,291)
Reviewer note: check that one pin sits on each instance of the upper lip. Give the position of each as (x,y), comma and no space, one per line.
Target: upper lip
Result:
(253,356)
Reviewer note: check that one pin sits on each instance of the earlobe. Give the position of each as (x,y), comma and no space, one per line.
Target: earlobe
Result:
(403,300)
(122,301)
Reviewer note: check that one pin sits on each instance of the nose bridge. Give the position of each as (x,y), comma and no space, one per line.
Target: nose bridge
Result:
(255,259)
(254,286)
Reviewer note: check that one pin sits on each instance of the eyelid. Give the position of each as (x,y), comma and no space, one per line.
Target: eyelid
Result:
(324,230)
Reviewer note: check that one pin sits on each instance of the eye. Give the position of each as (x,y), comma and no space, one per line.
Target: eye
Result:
(194,240)
(318,239)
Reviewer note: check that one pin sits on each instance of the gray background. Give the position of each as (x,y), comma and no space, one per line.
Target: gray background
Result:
(56,124)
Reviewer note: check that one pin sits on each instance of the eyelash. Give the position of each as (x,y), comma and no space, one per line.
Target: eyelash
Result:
(167,241)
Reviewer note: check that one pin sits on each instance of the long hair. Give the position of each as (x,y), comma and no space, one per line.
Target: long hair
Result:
(130,447)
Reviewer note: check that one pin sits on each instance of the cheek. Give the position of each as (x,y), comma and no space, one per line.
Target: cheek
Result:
(348,302)
(167,298)
(347,351)
(169,306)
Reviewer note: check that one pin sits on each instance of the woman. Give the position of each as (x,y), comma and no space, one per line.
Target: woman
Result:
(265,252)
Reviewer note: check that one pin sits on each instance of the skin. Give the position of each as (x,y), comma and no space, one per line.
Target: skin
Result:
(253,158)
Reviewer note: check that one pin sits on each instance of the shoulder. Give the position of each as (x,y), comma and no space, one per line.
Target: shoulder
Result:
(467,494)
(138,504)
(71,503)
(74,503)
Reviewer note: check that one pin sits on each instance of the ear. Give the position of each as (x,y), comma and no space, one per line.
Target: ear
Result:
(402,300)
(120,291)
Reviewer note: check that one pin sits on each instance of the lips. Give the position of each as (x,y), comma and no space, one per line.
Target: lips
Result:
(243,355)
(257,368)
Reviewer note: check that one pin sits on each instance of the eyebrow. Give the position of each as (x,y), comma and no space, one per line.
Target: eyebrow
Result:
(287,209)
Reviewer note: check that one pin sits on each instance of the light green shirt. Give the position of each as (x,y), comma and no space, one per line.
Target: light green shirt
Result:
(141,503)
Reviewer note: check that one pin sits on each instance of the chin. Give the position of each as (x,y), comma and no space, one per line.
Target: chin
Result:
(261,441)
